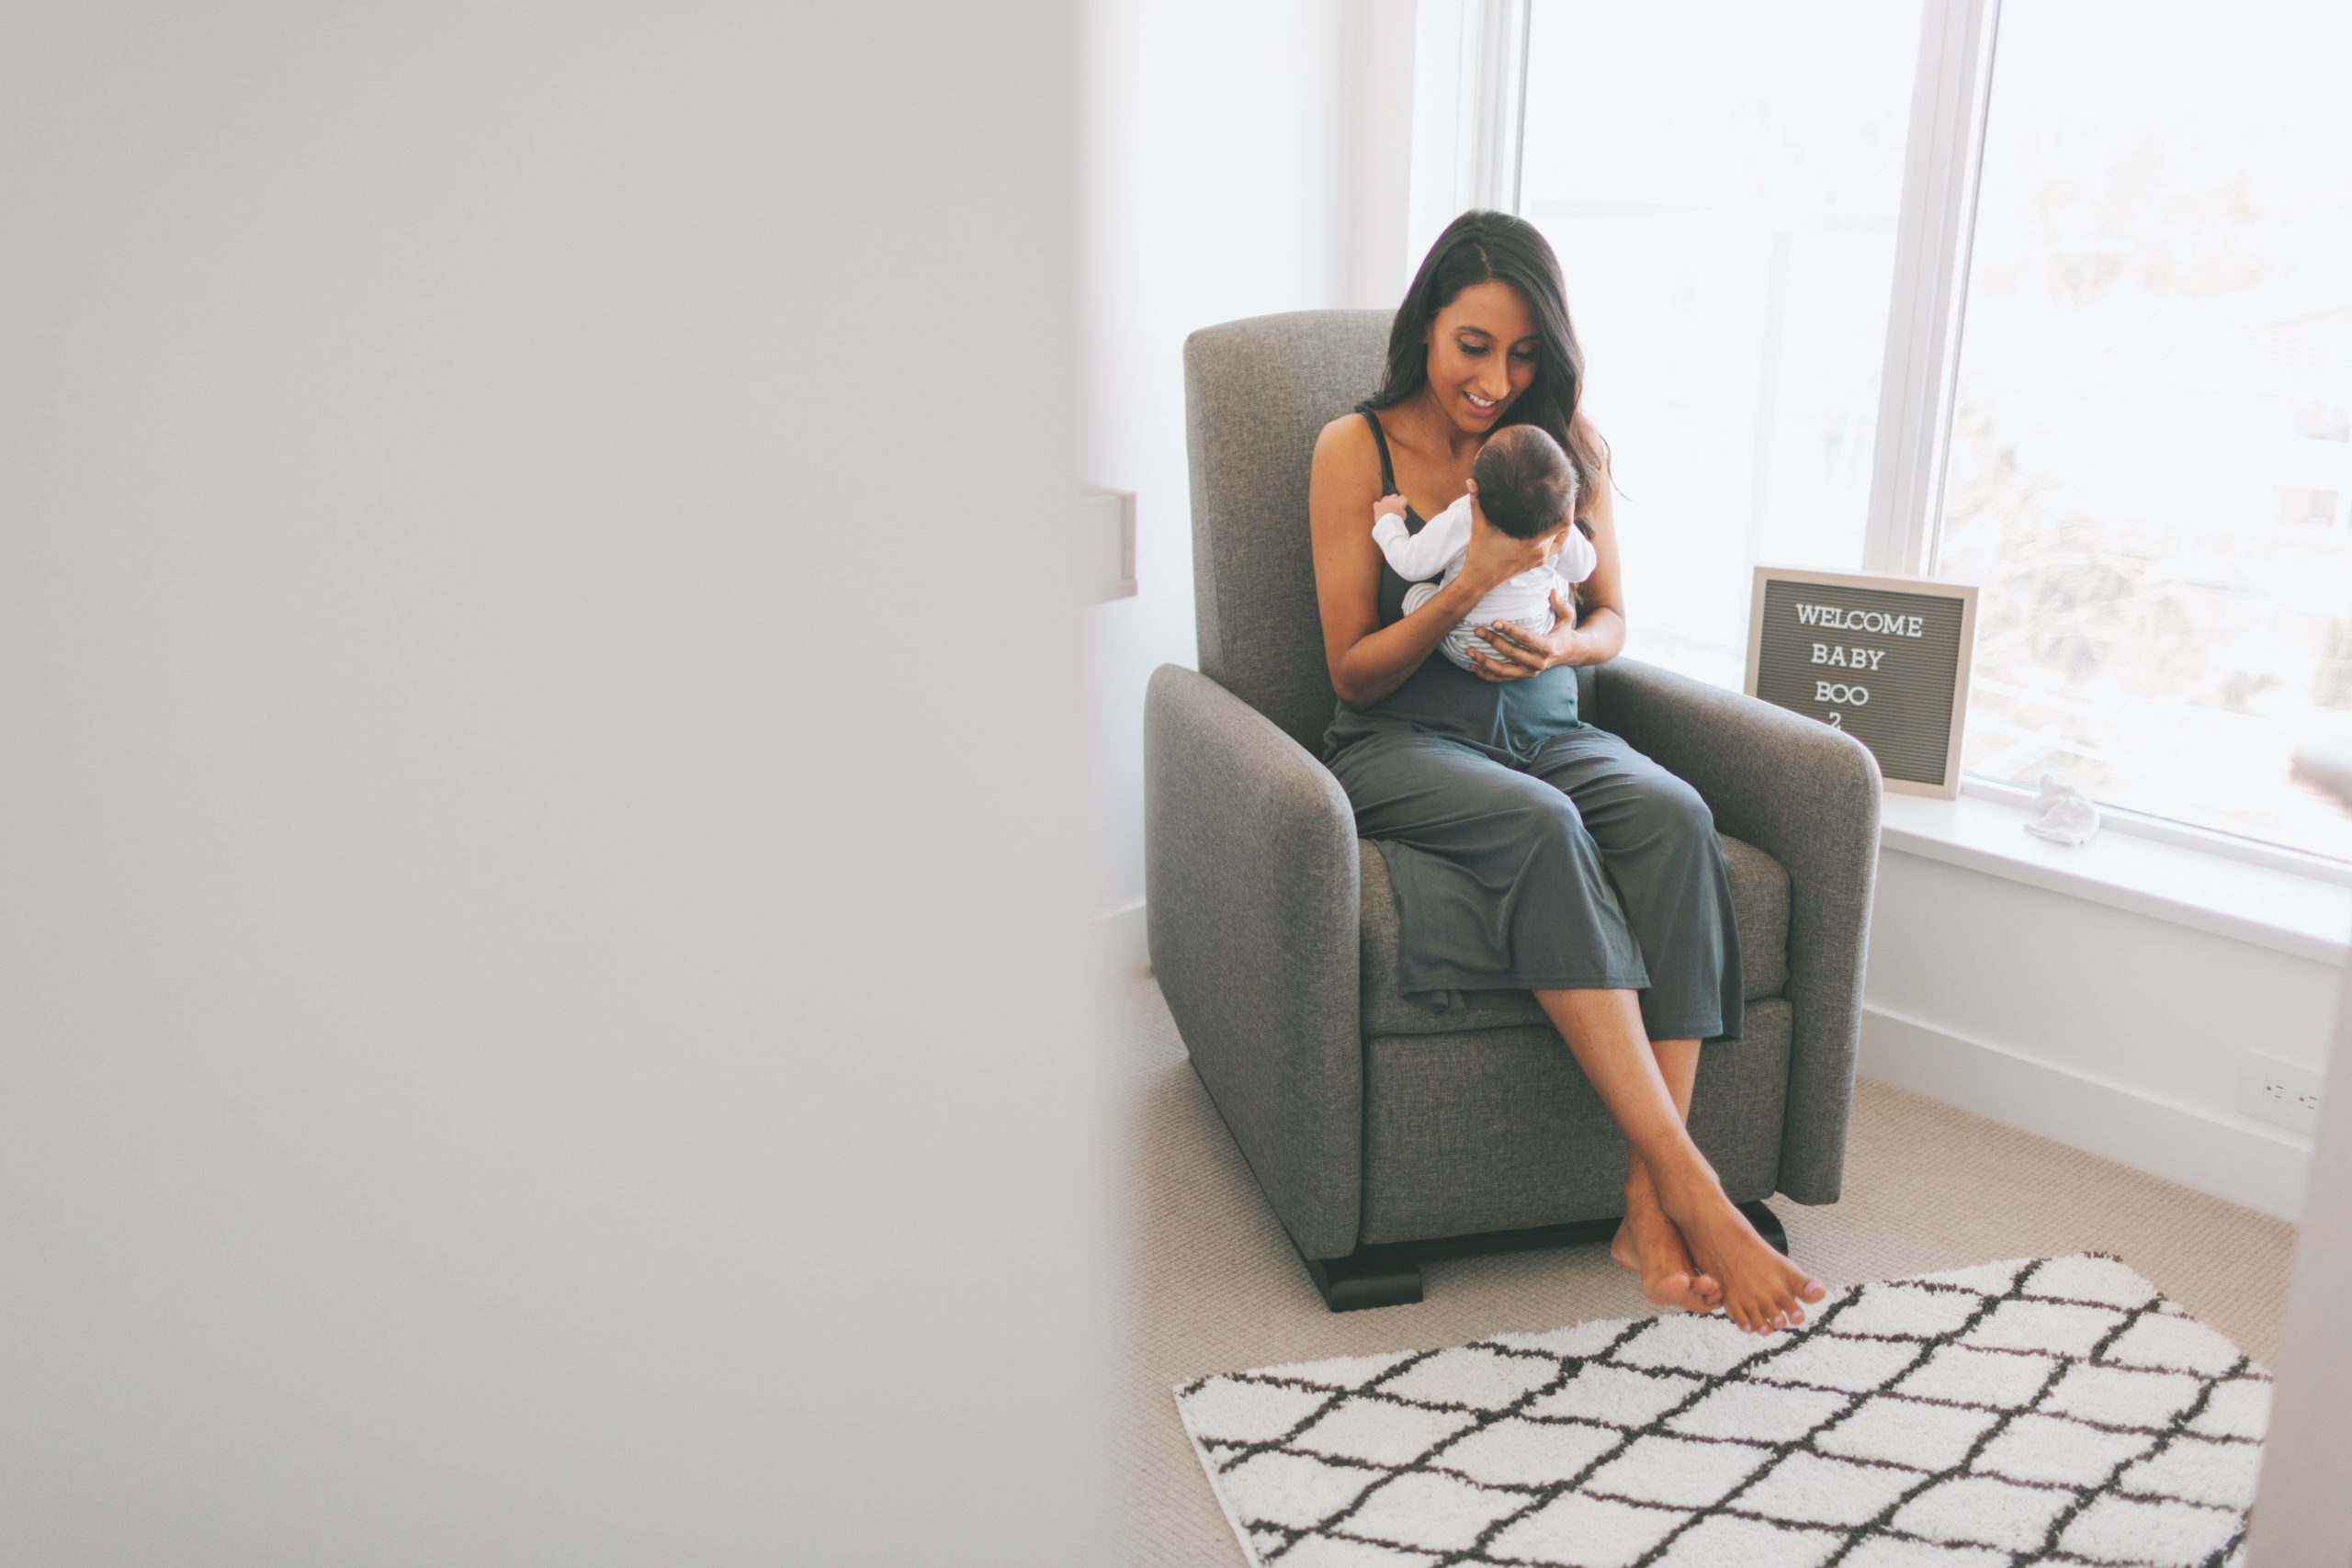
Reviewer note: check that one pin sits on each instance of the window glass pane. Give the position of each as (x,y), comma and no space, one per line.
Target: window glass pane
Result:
(1720,181)
(2150,474)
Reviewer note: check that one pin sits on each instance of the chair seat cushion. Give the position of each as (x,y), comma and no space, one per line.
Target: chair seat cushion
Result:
(1760,900)
(1499,1129)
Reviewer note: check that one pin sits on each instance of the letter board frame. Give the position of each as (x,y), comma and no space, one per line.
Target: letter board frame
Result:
(1807,630)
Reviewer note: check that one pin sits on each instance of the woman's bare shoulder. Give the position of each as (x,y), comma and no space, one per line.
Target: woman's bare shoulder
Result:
(1347,464)
(1602,490)
(1599,450)
(1347,439)
(1593,505)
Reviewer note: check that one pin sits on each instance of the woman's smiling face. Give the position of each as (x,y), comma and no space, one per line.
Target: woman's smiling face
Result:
(1481,353)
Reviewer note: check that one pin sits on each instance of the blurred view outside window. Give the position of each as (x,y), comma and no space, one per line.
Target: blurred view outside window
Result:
(1721,181)
(2150,472)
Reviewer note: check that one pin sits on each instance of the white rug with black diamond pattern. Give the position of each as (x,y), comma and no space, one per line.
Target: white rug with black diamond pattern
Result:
(2038,1410)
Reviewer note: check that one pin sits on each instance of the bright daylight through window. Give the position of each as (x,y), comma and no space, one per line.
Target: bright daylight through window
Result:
(1722,182)
(2150,462)
(2150,473)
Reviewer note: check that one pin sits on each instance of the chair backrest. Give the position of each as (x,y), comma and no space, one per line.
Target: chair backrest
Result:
(1256,394)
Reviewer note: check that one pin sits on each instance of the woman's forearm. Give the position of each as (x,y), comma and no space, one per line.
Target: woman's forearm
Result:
(1603,631)
(1381,661)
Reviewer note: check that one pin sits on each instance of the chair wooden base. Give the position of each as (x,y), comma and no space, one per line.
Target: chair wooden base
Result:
(1389,1274)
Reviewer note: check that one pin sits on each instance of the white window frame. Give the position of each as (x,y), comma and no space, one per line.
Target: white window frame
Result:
(1469,117)
(1932,243)
(1469,113)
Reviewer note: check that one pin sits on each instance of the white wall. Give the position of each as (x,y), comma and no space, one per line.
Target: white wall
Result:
(509,1039)
(2302,1513)
(2111,1031)
(1238,159)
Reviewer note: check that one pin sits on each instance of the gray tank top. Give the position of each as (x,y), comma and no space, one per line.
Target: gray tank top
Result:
(1440,696)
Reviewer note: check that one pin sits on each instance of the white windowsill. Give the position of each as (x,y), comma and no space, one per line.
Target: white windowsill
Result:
(2310,917)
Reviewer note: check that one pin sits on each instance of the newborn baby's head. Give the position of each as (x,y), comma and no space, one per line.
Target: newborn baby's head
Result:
(1526,485)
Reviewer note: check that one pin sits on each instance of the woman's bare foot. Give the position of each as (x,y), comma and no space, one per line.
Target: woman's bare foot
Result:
(1647,1244)
(1762,1290)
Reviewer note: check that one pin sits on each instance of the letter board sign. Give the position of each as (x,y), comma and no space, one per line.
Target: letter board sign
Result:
(1884,659)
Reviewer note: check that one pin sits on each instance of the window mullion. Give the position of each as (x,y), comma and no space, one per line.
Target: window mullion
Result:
(1930,290)
(1469,95)
(1502,95)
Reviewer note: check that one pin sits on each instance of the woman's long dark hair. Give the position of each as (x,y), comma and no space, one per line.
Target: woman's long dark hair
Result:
(1474,248)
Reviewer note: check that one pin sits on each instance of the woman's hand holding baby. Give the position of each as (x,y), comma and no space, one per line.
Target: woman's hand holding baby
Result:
(1493,557)
(1516,653)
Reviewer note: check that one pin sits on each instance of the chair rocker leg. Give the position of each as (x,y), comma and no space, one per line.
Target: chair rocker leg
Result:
(1385,1275)
(1389,1273)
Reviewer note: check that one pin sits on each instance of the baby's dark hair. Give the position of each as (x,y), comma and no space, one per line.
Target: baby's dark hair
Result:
(1527,487)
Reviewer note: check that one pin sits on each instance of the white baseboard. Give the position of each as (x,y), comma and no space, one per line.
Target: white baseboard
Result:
(1121,940)
(2242,1163)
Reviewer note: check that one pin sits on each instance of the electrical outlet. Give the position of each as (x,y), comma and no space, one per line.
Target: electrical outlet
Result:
(2278,1092)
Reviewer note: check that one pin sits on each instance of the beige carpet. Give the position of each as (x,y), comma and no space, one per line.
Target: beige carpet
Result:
(1212,1285)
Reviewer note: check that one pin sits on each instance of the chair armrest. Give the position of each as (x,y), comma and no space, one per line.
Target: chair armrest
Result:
(1807,795)
(1252,907)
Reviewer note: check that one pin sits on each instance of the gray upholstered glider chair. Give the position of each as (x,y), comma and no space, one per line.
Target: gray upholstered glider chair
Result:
(1381,1131)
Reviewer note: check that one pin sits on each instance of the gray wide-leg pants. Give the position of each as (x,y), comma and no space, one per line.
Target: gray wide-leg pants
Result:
(1582,864)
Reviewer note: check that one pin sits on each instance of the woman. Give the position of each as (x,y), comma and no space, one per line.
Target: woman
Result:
(1528,849)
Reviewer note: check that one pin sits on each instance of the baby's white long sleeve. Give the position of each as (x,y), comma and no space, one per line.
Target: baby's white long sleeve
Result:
(1442,540)
(1577,558)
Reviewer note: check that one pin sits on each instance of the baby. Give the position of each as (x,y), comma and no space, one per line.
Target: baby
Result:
(1522,483)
